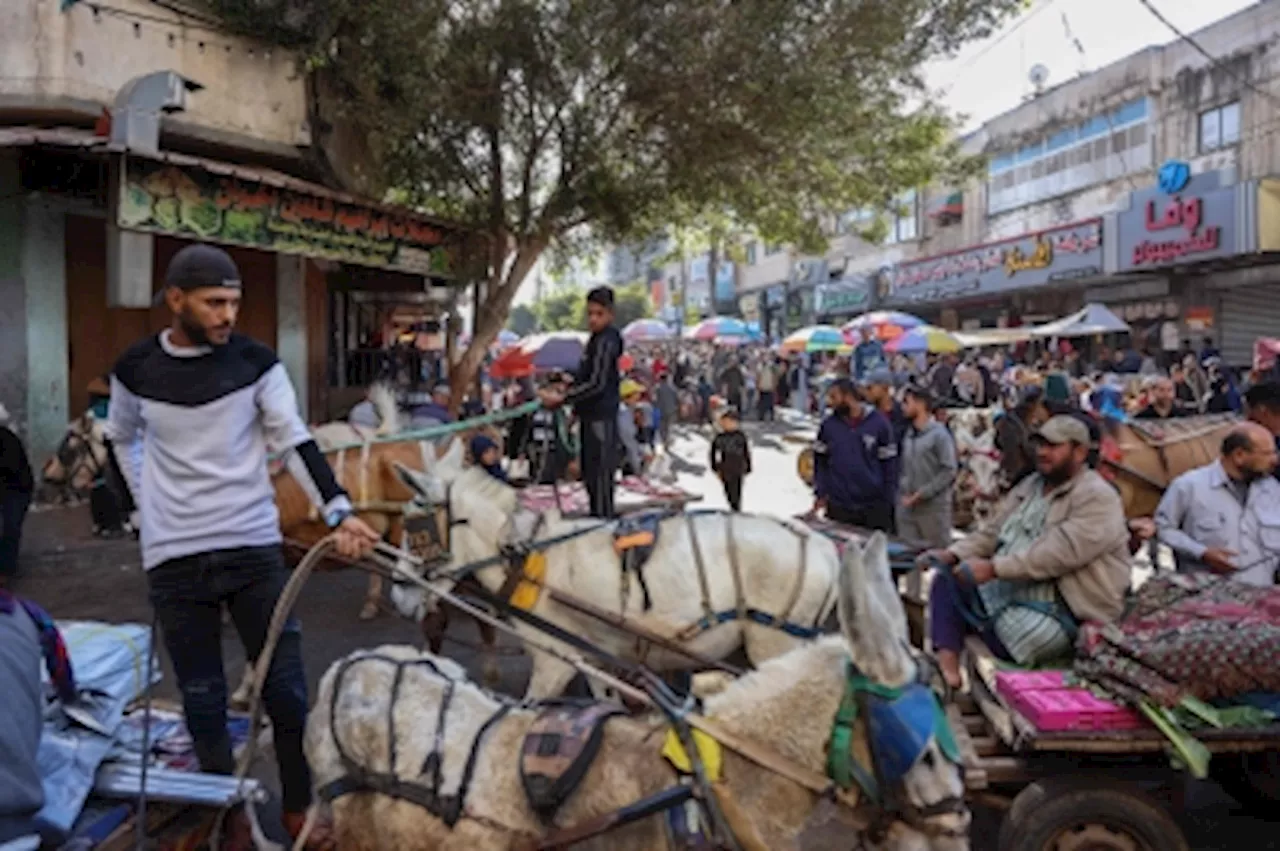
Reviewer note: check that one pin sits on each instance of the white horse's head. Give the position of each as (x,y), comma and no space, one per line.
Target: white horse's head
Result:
(875,626)
(483,515)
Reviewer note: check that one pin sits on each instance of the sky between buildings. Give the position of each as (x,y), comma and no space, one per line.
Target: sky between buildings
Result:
(1069,37)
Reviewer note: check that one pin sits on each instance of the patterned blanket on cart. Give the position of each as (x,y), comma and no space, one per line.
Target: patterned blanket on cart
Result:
(1185,635)
(634,493)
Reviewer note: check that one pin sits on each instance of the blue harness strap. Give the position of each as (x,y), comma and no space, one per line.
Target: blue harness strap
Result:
(756,616)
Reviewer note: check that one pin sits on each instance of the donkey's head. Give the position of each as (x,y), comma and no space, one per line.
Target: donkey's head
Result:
(911,747)
(79,459)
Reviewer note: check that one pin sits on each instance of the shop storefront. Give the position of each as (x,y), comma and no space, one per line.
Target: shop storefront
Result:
(749,306)
(1001,282)
(1182,234)
(838,301)
(325,274)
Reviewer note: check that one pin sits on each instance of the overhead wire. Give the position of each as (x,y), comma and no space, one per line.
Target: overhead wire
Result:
(1216,61)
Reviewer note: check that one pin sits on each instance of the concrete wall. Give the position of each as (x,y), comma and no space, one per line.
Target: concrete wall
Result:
(766,271)
(33,329)
(291,323)
(75,61)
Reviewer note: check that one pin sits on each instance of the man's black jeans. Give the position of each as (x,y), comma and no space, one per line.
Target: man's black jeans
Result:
(188,594)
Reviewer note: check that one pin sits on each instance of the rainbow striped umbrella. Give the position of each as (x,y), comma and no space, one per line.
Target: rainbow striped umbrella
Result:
(816,338)
(646,330)
(719,328)
(925,338)
(885,324)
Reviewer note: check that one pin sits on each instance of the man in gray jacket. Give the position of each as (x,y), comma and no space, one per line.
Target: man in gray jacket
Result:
(928,471)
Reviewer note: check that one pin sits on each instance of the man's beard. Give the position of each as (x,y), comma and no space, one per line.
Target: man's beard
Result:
(1060,473)
(195,331)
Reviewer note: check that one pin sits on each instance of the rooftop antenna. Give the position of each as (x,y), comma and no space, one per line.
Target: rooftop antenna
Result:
(1039,75)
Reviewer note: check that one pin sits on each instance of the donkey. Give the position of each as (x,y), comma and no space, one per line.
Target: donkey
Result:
(79,459)
(783,570)
(391,700)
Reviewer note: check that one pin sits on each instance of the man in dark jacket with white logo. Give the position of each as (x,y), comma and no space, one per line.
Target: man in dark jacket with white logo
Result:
(854,458)
(206,406)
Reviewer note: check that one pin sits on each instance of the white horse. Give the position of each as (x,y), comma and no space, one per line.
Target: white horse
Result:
(341,433)
(701,562)
(787,707)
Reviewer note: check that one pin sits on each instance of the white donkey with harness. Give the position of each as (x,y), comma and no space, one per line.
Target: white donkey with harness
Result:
(711,581)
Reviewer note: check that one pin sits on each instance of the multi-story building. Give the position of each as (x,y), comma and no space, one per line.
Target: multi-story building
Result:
(127,131)
(1146,184)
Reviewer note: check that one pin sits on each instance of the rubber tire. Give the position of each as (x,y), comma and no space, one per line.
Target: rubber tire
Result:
(1045,808)
(1253,779)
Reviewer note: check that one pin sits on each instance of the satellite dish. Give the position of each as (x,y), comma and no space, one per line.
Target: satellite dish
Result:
(1039,76)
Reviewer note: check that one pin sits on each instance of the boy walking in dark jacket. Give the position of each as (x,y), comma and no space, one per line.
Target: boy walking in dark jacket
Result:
(731,457)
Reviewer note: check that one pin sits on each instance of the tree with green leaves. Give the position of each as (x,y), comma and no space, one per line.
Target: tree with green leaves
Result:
(523,320)
(535,121)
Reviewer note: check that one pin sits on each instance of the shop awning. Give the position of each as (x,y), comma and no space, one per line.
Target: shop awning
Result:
(1089,320)
(261,208)
(992,337)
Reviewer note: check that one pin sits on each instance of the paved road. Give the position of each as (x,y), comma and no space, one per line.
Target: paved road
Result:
(75,576)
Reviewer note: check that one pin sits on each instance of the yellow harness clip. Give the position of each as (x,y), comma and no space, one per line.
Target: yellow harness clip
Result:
(709,751)
(527,593)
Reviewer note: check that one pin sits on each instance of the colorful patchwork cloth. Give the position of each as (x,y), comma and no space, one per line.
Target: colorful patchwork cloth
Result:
(633,493)
(1195,635)
(56,659)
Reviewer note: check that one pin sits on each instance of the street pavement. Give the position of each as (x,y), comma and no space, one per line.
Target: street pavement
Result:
(77,576)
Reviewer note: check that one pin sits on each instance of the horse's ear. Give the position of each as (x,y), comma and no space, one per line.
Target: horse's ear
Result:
(425,486)
(871,614)
(456,455)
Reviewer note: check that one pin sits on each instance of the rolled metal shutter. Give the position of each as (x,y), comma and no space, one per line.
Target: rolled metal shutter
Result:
(1245,314)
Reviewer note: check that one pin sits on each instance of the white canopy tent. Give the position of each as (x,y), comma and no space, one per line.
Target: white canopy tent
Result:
(1089,320)
(992,337)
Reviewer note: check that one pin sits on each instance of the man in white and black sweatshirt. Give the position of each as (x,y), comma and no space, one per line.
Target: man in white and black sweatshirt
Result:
(206,406)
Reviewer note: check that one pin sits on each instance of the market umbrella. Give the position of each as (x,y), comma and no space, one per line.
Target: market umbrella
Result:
(816,338)
(646,330)
(886,324)
(924,338)
(559,350)
(719,328)
(506,337)
(1089,320)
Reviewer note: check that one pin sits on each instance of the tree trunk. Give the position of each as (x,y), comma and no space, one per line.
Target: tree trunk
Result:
(490,315)
(713,270)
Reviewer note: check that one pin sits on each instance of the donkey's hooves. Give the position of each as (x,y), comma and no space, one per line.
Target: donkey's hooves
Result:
(369,611)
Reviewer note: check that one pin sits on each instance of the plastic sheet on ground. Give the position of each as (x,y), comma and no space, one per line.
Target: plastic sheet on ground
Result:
(110,662)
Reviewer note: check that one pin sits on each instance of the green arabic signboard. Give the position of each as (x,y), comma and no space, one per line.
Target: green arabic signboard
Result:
(195,204)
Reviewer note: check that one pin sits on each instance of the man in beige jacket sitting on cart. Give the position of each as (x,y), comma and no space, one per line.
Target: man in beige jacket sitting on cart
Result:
(1055,554)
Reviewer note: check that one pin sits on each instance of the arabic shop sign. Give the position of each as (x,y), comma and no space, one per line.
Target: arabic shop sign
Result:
(195,204)
(852,295)
(1063,253)
(1182,219)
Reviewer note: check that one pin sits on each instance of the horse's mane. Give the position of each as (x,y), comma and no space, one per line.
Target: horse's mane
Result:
(477,484)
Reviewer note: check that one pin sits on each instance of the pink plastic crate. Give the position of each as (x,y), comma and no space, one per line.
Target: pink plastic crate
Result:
(1009,683)
(1045,701)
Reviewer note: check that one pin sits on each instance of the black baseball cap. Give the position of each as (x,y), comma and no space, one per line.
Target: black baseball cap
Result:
(199,266)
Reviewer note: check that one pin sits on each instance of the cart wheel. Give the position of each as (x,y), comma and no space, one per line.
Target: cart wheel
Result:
(1087,814)
(1253,779)
(804,466)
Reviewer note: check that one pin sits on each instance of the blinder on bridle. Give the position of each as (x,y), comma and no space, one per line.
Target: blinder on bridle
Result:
(899,723)
(75,453)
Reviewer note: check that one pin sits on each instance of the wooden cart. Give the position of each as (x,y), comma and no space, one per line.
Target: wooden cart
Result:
(1091,791)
